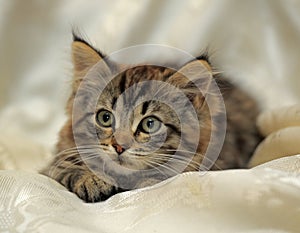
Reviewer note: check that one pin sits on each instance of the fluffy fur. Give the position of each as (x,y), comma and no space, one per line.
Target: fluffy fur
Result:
(125,141)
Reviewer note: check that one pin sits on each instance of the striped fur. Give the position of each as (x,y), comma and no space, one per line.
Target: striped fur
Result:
(74,171)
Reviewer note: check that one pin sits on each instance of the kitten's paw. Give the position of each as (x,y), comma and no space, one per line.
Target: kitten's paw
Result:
(91,188)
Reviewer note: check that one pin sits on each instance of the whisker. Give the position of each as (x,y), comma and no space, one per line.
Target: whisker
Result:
(156,168)
(190,152)
(195,165)
(162,158)
(73,151)
(77,161)
(164,166)
(78,148)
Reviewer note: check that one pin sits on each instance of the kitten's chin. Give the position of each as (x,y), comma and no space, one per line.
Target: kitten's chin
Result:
(125,163)
(129,165)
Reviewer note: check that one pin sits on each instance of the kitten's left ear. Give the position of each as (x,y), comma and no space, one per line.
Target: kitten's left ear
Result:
(84,56)
(194,77)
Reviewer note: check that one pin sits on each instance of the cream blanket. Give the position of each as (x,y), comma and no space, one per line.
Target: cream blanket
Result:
(264,199)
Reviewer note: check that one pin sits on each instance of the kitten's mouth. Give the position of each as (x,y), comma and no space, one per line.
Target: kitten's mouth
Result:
(126,162)
(120,160)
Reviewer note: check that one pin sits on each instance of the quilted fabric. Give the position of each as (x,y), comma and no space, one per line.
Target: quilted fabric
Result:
(263,199)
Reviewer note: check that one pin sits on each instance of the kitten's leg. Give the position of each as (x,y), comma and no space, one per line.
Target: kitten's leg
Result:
(89,187)
(81,181)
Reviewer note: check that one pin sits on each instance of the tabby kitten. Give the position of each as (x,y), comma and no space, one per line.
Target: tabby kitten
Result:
(109,147)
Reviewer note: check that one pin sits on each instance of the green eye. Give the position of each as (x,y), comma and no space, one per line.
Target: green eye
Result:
(105,118)
(150,125)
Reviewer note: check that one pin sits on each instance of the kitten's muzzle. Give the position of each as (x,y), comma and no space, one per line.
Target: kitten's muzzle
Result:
(121,141)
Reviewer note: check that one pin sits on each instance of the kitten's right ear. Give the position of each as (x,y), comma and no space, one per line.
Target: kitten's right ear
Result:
(84,56)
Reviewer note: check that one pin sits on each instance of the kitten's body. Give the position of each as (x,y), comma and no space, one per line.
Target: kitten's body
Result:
(68,167)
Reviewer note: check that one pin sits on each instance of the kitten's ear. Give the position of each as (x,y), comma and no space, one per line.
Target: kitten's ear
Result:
(84,56)
(196,74)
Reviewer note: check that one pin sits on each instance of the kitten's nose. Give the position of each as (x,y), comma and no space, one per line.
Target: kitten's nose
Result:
(119,149)
(121,141)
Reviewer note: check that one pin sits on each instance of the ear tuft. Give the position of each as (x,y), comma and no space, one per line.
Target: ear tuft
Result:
(77,36)
(204,59)
(84,55)
(204,56)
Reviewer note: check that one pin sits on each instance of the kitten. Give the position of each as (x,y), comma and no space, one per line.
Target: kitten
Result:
(135,134)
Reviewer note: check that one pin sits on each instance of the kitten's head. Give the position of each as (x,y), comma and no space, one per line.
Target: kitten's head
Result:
(141,116)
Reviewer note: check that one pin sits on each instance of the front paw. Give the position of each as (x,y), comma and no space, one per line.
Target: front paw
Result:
(91,188)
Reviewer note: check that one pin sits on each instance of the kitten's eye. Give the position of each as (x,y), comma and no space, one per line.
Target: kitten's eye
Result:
(150,125)
(105,118)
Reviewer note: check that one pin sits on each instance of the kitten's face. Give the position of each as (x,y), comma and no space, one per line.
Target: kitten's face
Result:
(136,131)
(141,117)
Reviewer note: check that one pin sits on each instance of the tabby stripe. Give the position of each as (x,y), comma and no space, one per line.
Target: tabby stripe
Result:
(83,118)
(174,128)
(69,181)
(141,92)
(188,145)
(86,193)
(114,100)
(145,107)
(122,82)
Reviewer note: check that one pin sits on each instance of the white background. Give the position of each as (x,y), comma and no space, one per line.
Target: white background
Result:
(255,42)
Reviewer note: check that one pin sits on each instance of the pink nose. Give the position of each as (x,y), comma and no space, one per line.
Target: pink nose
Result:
(119,149)
(121,141)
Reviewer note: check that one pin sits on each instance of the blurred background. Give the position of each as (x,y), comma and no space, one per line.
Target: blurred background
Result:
(254,42)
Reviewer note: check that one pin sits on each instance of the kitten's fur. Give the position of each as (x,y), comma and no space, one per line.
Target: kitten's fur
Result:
(68,167)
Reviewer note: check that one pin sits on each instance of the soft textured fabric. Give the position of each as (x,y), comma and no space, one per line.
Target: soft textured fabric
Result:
(281,129)
(264,199)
